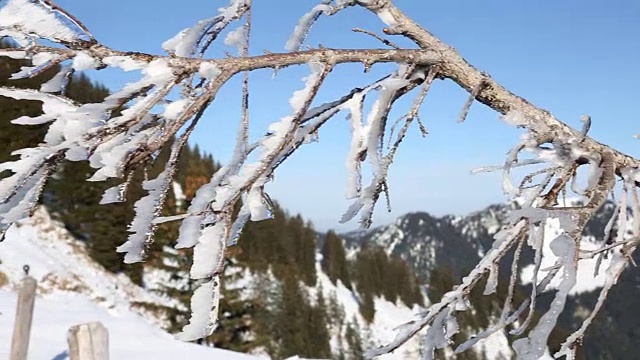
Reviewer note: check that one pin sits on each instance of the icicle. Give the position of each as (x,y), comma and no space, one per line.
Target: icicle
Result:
(353,159)
(304,25)
(444,326)
(236,229)
(116,193)
(205,304)
(59,82)
(30,163)
(534,346)
(21,205)
(208,253)
(187,41)
(149,207)
(259,206)
(536,241)
(492,281)
(371,144)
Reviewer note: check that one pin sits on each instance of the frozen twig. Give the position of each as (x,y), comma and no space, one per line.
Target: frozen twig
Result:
(377,37)
(467,105)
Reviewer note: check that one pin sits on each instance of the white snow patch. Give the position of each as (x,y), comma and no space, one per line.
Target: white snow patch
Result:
(586,282)
(130,337)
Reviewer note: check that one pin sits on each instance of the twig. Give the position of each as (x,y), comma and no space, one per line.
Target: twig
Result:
(467,106)
(378,37)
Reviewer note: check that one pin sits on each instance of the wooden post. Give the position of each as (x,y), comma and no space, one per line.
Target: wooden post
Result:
(88,341)
(24,317)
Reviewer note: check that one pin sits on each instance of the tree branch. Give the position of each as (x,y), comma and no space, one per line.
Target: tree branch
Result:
(541,122)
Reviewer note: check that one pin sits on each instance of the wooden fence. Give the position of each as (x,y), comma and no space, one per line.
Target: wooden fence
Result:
(88,341)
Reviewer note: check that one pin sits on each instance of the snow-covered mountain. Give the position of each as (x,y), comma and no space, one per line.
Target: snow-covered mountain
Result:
(458,242)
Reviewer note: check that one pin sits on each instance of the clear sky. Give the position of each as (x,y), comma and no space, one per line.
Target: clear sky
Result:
(569,57)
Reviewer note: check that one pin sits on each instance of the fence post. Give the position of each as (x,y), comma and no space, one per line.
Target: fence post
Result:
(88,341)
(24,317)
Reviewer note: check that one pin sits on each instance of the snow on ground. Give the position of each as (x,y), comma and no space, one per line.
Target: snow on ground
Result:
(130,336)
(73,289)
(388,316)
(60,263)
(585,281)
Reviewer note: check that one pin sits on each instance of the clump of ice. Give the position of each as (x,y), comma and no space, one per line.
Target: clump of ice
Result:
(34,17)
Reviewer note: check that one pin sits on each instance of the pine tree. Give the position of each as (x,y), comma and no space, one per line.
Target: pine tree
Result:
(367,306)
(299,328)
(354,341)
(303,248)
(334,262)
(335,311)
(291,316)
(318,328)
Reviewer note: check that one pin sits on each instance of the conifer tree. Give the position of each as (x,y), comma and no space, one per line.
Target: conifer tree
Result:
(299,328)
(290,319)
(335,311)
(303,248)
(354,340)
(334,261)
(318,328)
(367,306)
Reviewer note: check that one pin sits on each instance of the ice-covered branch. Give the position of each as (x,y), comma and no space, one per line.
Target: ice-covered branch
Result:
(136,121)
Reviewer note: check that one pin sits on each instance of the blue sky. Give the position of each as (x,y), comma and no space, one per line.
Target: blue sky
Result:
(571,58)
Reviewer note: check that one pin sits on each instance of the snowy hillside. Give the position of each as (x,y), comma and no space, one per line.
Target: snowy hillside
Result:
(72,289)
(60,263)
(130,336)
(389,315)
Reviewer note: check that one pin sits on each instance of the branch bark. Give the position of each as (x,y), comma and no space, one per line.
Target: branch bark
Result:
(271,60)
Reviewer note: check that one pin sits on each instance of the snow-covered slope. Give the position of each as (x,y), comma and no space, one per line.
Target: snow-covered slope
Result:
(130,336)
(585,279)
(73,289)
(390,315)
(387,317)
(60,263)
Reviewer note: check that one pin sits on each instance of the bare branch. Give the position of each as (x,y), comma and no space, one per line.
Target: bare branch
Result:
(377,37)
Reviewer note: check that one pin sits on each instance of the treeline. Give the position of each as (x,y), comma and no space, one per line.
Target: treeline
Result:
(373,272)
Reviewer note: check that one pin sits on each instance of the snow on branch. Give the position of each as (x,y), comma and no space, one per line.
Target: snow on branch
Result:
(136,121)
(200,36)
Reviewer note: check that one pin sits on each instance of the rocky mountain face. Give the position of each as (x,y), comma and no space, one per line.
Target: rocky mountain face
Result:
(458,242)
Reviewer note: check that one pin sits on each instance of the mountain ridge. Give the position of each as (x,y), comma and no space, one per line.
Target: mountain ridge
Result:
(428,247)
